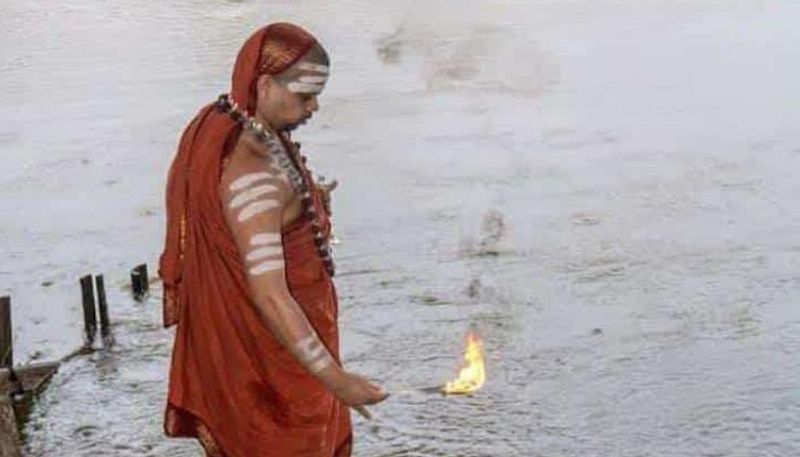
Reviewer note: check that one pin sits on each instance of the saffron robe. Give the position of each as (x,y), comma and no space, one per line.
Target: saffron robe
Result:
(232,384)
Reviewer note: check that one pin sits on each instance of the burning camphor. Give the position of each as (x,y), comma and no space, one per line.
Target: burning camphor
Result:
(473,375)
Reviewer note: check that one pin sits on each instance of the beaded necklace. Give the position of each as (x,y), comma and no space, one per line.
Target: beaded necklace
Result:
(290,160)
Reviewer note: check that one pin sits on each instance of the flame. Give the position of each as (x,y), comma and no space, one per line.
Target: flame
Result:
(473,375)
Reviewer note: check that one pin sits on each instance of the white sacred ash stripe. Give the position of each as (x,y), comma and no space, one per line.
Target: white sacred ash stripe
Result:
(312,67)
(304,88)
(319,365)
(266,267)
(261,239)
(266,251)
(305,344)
(313,79)
(251,194)
(313,353)
(248,180)
(310,348)
(257,207)
(319,355)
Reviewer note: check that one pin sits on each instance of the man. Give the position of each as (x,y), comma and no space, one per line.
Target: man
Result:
(247,269)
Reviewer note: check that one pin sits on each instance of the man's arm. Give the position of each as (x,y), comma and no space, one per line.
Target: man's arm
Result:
(254,200)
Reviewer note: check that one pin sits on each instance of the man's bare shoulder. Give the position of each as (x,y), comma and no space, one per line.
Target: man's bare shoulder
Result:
(249,168)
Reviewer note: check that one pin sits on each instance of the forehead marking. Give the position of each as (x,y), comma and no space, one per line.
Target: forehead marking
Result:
(312,67)
(304,88)
(312,79)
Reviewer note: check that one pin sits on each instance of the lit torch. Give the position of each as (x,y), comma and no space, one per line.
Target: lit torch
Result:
(473,374)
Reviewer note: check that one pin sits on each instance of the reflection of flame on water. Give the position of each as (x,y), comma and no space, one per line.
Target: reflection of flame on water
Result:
(473,375)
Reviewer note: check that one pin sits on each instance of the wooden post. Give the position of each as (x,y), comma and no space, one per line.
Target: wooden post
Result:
(102,306)
(140,282)
(136,287)
(9,434)
(89,314)
(143,274)
(6,340)
(137,284)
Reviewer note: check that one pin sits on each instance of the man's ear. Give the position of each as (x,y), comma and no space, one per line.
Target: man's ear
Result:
(263,84)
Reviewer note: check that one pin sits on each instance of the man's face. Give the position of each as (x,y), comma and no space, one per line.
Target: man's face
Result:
(287,102)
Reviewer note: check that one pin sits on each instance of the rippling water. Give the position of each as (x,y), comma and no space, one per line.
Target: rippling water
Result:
(605,191)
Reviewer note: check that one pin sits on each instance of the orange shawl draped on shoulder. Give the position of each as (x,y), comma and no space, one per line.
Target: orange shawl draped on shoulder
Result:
(232,385)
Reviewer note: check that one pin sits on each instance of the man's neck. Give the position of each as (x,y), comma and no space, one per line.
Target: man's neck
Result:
(268,126)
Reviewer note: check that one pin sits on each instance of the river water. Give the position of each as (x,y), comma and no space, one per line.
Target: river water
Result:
(606,191)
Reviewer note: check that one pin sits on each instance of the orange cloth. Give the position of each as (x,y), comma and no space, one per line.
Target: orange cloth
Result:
(232,384)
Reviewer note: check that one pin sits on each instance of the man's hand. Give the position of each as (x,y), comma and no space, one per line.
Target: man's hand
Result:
(325,190)
(354,391)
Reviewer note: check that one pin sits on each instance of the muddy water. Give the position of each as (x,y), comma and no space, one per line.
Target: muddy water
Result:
(605,191)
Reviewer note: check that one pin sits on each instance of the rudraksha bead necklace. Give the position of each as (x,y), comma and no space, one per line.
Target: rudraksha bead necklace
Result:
(290,160)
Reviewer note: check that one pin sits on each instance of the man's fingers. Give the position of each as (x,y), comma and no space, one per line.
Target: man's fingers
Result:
(364,412)
(376,389)
(382,398)
(378,395)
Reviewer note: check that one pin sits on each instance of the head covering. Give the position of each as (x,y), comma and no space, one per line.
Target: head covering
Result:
(270,50)
(232,384)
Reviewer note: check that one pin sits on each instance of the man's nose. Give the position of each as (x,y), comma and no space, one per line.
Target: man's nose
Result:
(312,105)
